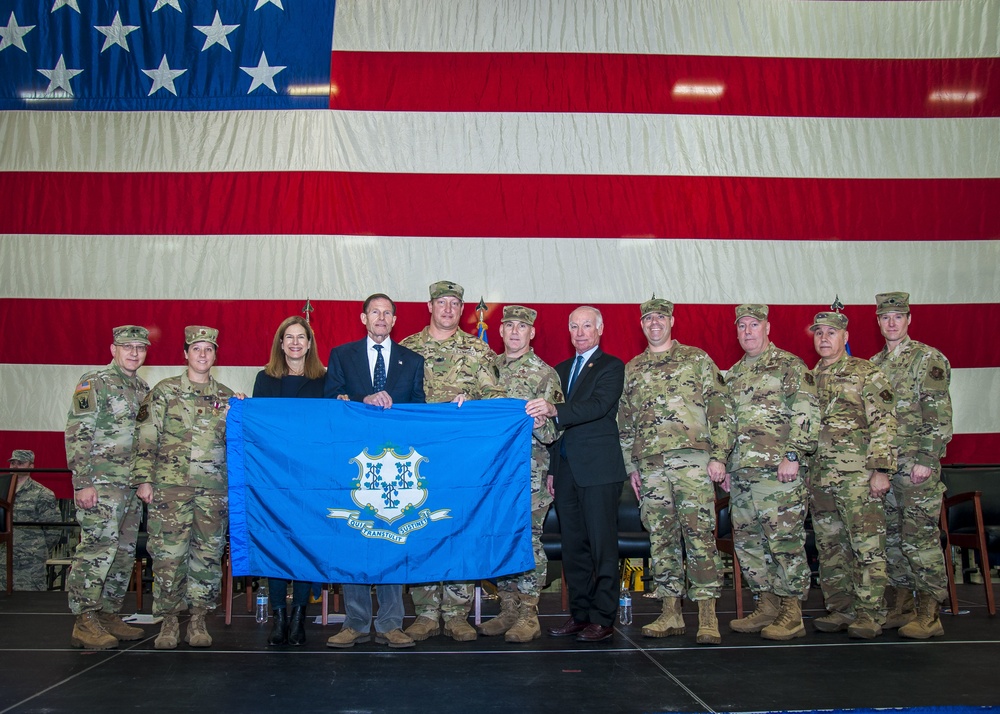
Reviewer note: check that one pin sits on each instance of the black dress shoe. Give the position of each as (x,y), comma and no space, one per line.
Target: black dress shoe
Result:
(570,627)
(297,626)
(595,633)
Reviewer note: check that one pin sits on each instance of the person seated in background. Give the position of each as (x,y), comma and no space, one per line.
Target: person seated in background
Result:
(32,503)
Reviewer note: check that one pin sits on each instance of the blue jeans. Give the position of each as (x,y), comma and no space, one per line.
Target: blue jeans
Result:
(358,605)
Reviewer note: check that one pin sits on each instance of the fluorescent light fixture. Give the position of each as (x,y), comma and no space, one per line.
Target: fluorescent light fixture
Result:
(955,96)
(312,90)
(698,90)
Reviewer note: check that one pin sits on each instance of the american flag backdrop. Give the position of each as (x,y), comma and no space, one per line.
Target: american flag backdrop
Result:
(173,162)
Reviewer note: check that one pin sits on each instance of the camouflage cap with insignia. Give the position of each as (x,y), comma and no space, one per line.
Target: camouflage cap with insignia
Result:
(519,313)
(892,302)
(836,320)
(130,333)
(655,304)
(25,455)
(200,333)
(445,287)
(752,310)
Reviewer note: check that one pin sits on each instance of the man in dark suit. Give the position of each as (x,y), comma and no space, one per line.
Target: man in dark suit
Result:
(587,477)
(376,371)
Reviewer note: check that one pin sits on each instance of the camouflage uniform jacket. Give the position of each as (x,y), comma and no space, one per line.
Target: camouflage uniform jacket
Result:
(528,377)
(775,408)
(674,400)
(100,426)
(920,376)
(35,503)
(856,412)
(181,435)
(461,364)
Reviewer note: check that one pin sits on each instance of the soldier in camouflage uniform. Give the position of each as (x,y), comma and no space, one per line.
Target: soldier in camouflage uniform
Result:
(777,421)
(99,450)
(457,366)
(920,377)
(848,479)
(180,470)
(676,430)
(525,376)
(35,503)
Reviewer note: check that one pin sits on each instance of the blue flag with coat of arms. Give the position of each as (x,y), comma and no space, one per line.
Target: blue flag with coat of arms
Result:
(334,491)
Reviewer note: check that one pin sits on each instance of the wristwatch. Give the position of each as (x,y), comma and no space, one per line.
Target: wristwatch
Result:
(792,456)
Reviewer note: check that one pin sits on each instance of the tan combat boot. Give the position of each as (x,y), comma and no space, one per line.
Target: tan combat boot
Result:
(459,629)
(507,617)
(899,606)
(788,624)
(708,624)
(768,605)
(526,628)
(928,621)
(423,627)
(170,634)
(833,622)
(114,626)
(90,634)
(670,621)
(864,627)
(197,634)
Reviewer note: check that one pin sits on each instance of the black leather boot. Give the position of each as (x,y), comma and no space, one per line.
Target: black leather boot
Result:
(297,626)
(279,631)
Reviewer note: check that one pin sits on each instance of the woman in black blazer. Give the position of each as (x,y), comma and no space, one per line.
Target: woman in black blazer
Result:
(294,370)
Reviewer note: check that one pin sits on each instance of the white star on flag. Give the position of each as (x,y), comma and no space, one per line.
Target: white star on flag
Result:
(263,74)
(175,4)
(59,77)
(116,32)
(262,3)
(216,33)
(65,3)
(163,77)
(11,35)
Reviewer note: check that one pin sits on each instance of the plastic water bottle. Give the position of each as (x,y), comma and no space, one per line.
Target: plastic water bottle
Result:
(625,606)
(262,606)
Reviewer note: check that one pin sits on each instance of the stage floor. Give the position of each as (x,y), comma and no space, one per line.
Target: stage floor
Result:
(40,672)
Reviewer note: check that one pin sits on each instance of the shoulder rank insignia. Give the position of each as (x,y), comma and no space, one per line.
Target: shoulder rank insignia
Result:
(937,373)
(886,396)
(143,414)
(809,379)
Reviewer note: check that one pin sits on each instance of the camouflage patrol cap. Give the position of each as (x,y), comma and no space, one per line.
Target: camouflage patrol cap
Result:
(200,333)
(835,320)
(655,304)
(24,455)
(130,333)
(445,287)
(892,302)
(519,313)
(751,310)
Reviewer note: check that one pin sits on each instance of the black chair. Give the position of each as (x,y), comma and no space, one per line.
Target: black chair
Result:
(725,544)
(552,545)
(142,571)
(970,520)
(8,487)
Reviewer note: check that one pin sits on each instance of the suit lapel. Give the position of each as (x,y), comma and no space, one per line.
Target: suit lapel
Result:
(392,368)
(585,370)
(361,364)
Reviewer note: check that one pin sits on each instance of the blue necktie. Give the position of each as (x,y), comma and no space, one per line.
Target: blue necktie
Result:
(378,380)
(574,374)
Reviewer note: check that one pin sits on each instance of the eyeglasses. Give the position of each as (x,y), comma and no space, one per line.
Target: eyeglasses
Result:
(133,348)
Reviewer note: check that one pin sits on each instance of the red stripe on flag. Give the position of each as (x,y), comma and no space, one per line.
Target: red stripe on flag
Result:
(457,205)
(247,328)
(664,84)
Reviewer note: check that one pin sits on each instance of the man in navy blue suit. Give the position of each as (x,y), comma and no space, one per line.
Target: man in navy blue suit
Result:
(374,370)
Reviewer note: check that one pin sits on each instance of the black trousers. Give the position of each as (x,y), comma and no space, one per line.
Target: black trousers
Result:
(588,525)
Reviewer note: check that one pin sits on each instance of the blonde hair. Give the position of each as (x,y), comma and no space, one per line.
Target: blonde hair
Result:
(277,367)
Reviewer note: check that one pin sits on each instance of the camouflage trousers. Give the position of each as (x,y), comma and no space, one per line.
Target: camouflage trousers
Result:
(187,536)
(913,533)
(769,533)
(532,581)
(677,507)
(104,559)
(30,554)
(448,599)
(850,537)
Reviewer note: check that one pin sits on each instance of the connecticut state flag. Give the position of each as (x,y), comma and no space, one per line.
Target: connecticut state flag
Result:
(326,490)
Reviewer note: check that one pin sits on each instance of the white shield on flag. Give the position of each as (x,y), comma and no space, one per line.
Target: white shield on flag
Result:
(389,483)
